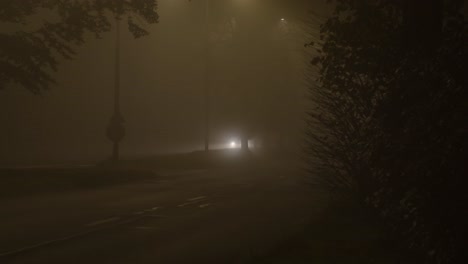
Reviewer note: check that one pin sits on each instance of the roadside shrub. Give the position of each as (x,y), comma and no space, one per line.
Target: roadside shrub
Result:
(388,123)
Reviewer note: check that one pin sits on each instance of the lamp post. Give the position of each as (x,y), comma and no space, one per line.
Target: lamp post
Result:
(115,128)
(207,77)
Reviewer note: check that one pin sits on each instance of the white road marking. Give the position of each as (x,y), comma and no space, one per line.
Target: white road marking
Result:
(105,221)
(184,204)
(62,239)
(197,198)
(152,209)
(204,205)
(193,201)
(189,203)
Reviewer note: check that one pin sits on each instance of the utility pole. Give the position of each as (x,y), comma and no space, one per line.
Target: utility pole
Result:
(116,129)
(207,77)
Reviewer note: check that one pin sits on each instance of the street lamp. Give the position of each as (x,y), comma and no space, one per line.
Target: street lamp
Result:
(115,128)
(207,77)
(208,70)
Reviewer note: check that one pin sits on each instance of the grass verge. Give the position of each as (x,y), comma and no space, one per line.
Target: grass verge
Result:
(27,182)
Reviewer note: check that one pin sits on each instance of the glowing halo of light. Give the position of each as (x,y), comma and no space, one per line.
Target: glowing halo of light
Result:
(232,144)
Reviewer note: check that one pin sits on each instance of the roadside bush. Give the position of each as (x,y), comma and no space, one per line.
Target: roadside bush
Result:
(389,119)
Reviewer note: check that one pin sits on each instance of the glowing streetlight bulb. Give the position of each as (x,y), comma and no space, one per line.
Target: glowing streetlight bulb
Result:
(233,144)
(283,19)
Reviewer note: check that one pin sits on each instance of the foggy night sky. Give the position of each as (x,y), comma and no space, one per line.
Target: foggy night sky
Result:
(258,74)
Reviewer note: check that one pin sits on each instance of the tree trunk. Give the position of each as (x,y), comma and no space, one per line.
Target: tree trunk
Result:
(244,143)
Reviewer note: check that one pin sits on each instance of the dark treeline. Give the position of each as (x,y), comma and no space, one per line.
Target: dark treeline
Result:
(388,124)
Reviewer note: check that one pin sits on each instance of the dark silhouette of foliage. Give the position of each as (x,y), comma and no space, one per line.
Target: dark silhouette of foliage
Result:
(29,54)
(389,124)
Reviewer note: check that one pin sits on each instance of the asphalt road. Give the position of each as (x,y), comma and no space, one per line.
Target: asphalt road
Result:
(227,214)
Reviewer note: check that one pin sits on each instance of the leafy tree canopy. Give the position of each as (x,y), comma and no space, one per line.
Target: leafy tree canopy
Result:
(29,56)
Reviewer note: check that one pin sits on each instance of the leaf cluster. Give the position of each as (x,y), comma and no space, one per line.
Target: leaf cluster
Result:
(28,57)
